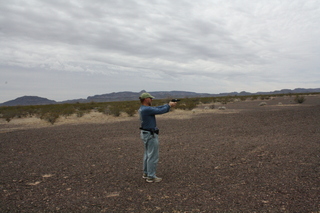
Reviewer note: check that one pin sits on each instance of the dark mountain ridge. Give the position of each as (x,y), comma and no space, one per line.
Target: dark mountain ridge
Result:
(129,96)
(28,100)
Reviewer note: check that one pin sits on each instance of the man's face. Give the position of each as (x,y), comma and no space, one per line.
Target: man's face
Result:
(149,101)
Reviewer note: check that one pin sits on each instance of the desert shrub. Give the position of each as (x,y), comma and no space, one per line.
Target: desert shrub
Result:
(67,110)
(266,97)
(31,110)
(206,100)
(188,104)
(216,100)
(9,115)
(254,97)
(86,107)
(79,114)
(115,110)
(243,98)
(106,110)
(51,117)
(130,110)
(191,105)
(299,99)
(225,100)
(49,113)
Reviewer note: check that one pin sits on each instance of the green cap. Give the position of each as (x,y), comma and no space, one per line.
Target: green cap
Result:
(146,95)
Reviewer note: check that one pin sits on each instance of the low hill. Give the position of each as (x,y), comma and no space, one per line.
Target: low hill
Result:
(28,100)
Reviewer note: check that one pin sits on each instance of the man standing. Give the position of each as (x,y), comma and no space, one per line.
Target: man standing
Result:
(149,135)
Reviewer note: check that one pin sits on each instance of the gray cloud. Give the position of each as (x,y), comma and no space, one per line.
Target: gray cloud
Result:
(205,46)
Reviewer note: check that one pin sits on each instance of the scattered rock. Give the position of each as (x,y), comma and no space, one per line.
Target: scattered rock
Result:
(114,194)
(34,184)
(47,175)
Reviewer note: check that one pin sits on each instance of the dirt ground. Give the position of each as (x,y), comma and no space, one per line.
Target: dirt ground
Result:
(246,158)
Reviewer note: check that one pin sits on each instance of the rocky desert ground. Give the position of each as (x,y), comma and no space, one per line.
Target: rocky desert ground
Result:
(246,158)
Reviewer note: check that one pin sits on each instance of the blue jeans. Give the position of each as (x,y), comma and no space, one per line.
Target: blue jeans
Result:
(151,153)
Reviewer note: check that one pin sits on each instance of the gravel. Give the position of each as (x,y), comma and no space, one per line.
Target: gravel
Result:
(247,158)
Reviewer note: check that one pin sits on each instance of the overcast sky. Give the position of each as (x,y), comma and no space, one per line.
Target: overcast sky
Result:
(61,49)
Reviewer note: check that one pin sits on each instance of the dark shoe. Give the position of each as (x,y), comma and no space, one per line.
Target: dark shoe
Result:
(153,180)
(144,176)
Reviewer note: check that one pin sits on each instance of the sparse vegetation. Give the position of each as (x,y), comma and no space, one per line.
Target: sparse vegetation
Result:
(52,112)
(254,97)
(115,111)
(243,98)
(225,100)
(299,99)
(130,110)
(188,103)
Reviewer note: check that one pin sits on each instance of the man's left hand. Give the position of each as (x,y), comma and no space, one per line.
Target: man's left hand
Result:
(172,104)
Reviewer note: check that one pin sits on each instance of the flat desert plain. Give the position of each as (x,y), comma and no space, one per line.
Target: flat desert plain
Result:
(246,158)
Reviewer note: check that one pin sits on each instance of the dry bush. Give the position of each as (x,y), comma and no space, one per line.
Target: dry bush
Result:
(299,99)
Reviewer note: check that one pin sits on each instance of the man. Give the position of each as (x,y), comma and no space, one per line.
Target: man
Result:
(149,135)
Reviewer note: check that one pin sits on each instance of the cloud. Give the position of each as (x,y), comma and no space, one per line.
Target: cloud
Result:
(206,46)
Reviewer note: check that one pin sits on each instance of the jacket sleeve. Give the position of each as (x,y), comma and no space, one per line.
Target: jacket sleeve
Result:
(158,110)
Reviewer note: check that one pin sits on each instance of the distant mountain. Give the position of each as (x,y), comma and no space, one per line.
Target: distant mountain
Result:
(129,96)
(28,100)
(73,101)
(115,96)
(283,91)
